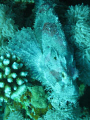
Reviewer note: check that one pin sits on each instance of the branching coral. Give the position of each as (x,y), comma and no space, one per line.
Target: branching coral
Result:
(12,75)
(78,34)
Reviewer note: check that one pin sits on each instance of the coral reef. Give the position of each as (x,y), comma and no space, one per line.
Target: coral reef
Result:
(44,60)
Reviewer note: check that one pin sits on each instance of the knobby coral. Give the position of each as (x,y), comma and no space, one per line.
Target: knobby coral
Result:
(12,75)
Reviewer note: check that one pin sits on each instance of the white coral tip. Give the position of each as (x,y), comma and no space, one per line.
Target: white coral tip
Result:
(23,73)
(10,80)
(1,84)
(15,88)
(8,55)
(1,57)
(7,90)
(19,81)
(14,75)
(6,61)
(7,70)
(15,65)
